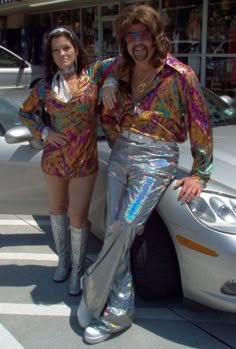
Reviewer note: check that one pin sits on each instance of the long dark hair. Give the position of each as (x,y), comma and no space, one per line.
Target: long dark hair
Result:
(144,14)
(50,66)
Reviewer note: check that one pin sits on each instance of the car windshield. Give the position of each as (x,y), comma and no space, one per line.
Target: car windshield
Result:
(221,113)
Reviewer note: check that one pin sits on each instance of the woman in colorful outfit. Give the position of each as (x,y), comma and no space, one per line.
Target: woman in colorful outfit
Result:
(69,161)
(160,103)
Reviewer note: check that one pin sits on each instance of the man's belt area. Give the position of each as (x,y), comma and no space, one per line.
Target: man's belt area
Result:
(138,138)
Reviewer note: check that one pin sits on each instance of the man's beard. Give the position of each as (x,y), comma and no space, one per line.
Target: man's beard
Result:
(141,55)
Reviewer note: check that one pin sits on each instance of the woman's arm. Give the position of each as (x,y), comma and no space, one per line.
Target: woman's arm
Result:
(28,110)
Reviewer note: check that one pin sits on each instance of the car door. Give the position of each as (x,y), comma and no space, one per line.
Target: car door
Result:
(14,71)
(22,185)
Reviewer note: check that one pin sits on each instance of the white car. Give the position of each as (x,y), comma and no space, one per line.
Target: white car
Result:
(188,249)
(17,73)
(10,103)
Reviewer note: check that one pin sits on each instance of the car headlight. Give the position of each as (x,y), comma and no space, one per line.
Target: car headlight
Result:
(218,211)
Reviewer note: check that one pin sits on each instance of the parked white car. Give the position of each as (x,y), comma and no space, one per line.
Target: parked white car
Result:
(15,72)
(188,249)
(10,102)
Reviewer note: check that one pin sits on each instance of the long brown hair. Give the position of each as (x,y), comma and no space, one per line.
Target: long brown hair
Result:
(50,66)
(144,14)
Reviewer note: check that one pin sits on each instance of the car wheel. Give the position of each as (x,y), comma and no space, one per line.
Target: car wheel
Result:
(2,130)
(154,262)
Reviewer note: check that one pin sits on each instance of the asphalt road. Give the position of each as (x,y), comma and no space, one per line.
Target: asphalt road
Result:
(37,313)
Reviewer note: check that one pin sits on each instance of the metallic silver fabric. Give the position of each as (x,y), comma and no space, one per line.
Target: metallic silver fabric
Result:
(60,225)
(79,243)
(137,176)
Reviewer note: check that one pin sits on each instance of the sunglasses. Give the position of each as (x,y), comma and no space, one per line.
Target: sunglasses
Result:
(138,36)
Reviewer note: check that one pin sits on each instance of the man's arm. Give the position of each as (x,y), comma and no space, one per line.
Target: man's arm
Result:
(200,133)
(110,121)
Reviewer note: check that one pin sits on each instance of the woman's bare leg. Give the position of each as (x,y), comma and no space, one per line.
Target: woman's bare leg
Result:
(80,193)
(57,194)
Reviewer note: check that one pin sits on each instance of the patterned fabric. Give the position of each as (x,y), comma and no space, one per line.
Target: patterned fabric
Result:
(75,118)
(173,107)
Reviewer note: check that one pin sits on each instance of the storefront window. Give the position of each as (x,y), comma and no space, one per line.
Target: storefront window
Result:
(183,20)
(153,3)
(61,18)
(90,31)
(221,47)
(221,26)
(109,43)
(110,10)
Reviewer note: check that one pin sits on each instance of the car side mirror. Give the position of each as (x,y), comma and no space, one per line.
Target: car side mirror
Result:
(227,99)
(20,134)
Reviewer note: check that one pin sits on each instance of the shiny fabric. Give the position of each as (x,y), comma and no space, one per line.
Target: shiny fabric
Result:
(75,118)
(138,174)
(173,107)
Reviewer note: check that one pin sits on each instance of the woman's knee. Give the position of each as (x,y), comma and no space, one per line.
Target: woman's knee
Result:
(78,219)
(58,209)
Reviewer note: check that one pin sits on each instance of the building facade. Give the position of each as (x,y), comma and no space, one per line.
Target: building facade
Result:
(202,32)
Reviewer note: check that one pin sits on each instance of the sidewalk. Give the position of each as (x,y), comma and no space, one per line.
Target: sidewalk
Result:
(37,313)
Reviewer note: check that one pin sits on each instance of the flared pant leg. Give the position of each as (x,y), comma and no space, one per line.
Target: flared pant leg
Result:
(138,174)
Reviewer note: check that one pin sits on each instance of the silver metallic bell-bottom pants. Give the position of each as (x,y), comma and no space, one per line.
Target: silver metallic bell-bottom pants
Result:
(137,176)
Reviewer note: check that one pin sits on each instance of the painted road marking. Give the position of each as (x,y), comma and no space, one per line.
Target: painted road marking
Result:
(47,257)
(66,311)
(7,340)
(28,256)
(32,222)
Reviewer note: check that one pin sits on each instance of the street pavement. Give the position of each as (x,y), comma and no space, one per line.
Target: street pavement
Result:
(37,313)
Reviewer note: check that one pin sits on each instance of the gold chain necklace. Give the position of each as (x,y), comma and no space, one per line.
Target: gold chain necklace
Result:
(142,86)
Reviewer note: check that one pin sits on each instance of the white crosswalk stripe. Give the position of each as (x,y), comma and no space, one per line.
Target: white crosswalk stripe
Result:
(28,256)
(7,341)
(24,222)
(65,310)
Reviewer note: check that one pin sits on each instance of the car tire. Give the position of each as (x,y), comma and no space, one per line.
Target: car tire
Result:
(154,262)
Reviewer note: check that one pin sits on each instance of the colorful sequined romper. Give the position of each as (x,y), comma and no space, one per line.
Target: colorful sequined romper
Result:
(75,118)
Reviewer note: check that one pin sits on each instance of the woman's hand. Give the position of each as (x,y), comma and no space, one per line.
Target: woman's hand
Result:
(56,138)
(191,189)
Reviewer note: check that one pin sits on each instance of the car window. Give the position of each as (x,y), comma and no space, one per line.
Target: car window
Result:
(220,112)
(8,61)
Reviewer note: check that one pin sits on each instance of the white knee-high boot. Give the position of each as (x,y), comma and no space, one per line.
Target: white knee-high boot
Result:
(59,224)
(79,243)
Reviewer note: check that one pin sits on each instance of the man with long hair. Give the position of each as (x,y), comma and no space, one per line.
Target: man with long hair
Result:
(160,102)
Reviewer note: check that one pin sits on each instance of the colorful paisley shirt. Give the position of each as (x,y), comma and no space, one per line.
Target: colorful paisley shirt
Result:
(75,118)
(172,107)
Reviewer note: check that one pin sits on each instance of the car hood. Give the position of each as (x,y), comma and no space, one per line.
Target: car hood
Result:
(224,153)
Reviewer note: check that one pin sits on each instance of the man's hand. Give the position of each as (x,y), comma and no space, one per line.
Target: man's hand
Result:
(109,97)
(191,189)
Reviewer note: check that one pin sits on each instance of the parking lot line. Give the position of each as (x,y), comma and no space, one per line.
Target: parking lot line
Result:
(28,256)
(12,222)
(7,340)
(65,310)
